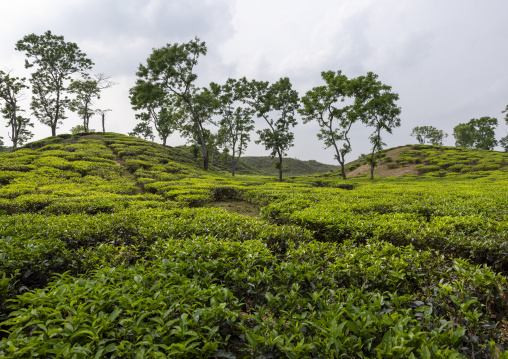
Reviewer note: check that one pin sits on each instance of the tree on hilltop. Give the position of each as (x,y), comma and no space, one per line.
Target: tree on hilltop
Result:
(324,105)
(158,108)
(86,89)
(236,122)
(375,105)
(11,91)
(276,104)
(55,61)
(171,68)
(429,133)
(477,133)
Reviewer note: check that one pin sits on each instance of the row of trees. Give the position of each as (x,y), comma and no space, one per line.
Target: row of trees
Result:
(167,97)
(60,69)
(477,133)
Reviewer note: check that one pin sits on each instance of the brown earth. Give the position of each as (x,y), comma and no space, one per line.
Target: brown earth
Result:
(382,170)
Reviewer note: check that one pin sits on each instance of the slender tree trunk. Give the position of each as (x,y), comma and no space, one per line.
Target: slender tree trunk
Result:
(164,138)
(53,129)
(233,170)
(280,167)
(372,164)
(15,127)
(103,128)
(342,167)
(376,145)
(200,133)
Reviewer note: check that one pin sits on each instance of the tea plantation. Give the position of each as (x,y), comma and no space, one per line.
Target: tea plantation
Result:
(113,247)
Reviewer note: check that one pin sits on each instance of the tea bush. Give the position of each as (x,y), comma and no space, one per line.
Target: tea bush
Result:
(101,255)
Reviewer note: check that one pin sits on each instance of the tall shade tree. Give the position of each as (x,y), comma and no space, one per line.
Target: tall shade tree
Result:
(11,92)
(477,133)
(324,104)
(236,121)
(277,105)
(158,108)
(171,68)
(86,90)
(375,104)
(55,61)
(429,133)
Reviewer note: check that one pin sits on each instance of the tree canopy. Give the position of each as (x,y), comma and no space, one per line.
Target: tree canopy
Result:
(375,104)
(277,105)
(236,121)
(477,133)
(171,68)
(429,133)
(11,91)
(55,61)
(325,104)
(85,90)
(158,108)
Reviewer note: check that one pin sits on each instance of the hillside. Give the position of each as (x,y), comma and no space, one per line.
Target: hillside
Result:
(116,247)
(292,166)
(431,161)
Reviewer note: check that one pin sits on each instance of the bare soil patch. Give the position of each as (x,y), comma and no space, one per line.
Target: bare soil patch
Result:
(383,170)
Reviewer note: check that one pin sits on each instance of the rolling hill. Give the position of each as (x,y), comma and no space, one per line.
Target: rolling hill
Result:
(115,247)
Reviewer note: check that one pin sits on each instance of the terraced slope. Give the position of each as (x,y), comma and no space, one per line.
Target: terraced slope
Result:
(112,247)
(431,161)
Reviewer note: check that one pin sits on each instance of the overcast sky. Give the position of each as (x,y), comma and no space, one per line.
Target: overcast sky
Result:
(447,60)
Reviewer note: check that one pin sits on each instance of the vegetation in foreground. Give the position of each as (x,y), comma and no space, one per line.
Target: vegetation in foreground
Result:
(113,247)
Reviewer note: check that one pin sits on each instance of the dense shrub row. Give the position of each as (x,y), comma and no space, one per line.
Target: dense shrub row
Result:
(101,256)
(209,297)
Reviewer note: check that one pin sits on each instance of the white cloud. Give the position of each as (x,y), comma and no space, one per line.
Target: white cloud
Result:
(447,60)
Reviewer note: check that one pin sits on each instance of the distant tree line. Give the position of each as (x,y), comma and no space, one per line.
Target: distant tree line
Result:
(167,99)
(477,134)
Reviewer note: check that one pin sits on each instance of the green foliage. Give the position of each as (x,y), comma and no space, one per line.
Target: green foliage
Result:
(236,122)
(503,142)
(159,108)
(101,255)
(169,70)
(86,89)
(375,106)
(477,133)
(55,61)
(281,101)
(11,91)
(430,133)
(322,105)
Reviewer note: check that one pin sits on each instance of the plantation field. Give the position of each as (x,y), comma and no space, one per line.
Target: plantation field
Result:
(115,247)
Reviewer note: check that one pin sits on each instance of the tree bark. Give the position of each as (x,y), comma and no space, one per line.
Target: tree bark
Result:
(280,167)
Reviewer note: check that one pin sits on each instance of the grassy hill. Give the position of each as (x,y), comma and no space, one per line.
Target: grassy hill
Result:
(431,161)
(115,247)
(292,166)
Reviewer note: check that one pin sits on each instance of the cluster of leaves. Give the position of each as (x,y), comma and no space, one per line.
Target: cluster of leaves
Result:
(220,292)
